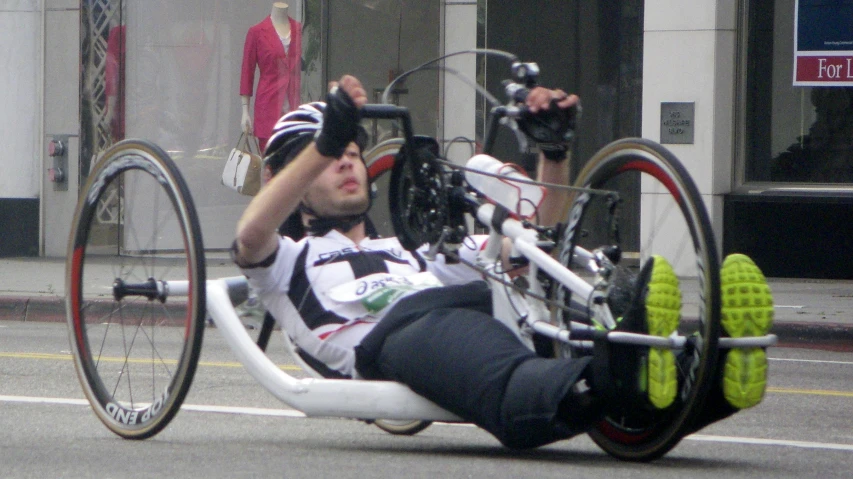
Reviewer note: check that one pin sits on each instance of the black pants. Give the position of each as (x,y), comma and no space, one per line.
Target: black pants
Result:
(446,346)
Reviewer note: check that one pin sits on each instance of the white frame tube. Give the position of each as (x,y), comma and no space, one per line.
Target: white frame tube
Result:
(363,399)
(352,398)
(526,245)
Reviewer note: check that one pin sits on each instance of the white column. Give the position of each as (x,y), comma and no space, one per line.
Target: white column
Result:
(689,56)
(460,33)
(20,33)
(61,117)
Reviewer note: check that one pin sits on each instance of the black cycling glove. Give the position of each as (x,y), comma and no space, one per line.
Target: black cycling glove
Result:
(552,129)
(340,124)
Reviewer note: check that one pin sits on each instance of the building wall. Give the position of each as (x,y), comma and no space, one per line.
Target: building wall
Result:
(61,117)
(690,56)
(459,111)
(20,27)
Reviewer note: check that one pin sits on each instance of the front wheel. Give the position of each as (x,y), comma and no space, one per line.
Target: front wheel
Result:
(135,235)
(644,203)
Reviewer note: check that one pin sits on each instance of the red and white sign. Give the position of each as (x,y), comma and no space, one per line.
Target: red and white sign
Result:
(824,70)
(823,43)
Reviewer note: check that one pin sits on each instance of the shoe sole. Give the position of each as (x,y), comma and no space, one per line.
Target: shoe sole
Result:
(747,312)
(663,311)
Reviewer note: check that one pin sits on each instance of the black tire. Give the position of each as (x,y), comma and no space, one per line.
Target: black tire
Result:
(135,357)
(596,221)
(380,161)
(402,427)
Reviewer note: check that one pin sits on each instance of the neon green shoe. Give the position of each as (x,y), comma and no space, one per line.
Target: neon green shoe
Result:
(655,309)
(747,311)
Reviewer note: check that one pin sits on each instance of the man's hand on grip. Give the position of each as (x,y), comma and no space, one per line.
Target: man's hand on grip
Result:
(341,118)
(550,121)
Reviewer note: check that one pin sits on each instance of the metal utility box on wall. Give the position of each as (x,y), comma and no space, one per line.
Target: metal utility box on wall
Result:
(57,148)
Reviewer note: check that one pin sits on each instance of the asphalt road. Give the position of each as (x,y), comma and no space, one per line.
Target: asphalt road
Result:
(231,427)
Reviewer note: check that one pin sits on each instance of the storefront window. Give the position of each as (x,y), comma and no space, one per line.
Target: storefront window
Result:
(376,40)
(177,73)
(594,49)
(798,133)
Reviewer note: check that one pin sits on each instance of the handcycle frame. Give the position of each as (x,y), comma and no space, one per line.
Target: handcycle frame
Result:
(389,400)
(371,400)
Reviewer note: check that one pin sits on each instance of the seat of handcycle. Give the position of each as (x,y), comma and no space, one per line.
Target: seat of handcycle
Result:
(316,365)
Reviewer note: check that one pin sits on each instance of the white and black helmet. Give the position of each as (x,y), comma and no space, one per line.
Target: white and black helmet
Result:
(293,131)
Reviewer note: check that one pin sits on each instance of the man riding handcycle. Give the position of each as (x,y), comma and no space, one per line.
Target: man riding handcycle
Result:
(368,308)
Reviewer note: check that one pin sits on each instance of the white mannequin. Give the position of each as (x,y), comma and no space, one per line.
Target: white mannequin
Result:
(281,21)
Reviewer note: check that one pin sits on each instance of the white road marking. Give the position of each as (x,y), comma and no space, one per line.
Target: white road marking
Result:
(772,442)
(296,414)
(37,400)
(788,306)
(249,411)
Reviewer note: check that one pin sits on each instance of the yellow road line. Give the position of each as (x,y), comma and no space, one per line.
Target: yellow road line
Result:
(68,357)
(292,367)
(811,392)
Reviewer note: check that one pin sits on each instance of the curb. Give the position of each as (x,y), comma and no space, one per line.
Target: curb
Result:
(835,336)
(44,309)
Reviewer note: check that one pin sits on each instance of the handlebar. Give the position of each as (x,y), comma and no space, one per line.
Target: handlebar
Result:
(524,77)
(381,111)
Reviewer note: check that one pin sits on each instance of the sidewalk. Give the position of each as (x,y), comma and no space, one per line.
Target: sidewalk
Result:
(33,289)
(807,311)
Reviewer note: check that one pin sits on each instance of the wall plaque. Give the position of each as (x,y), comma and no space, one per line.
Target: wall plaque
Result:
(676,123)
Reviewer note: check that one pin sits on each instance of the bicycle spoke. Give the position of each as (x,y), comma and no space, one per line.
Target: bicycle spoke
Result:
(131,350)
(654,187)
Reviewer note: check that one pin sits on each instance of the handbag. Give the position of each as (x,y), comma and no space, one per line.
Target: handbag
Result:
(242,171)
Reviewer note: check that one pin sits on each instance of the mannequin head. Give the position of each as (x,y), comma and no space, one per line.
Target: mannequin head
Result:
(279,13)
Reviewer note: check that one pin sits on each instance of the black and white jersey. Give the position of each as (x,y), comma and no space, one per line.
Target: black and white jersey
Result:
(328,292)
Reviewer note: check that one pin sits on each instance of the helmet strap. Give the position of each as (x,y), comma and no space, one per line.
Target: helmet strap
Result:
(320,225)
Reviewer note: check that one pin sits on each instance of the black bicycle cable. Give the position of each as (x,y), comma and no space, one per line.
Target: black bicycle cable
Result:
(460,139)
(466,80)
(523,181)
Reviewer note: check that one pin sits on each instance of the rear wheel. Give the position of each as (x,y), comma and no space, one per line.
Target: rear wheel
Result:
(380,161)
(135,345)
(673,223)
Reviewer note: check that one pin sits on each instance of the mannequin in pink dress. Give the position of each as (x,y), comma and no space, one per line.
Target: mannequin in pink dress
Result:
(274,47)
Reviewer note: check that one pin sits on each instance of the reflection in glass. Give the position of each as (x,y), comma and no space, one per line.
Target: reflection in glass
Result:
(102,79)
(793,134)
(114,82)
(274,48)
(825,153)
